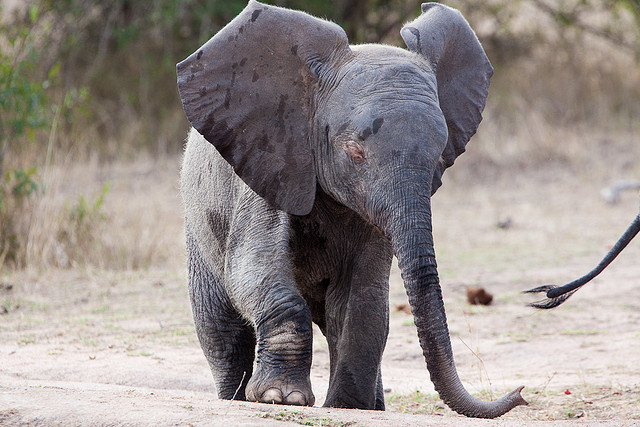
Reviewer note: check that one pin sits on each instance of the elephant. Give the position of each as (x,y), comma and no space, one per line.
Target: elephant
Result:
(556,295)
(310,164)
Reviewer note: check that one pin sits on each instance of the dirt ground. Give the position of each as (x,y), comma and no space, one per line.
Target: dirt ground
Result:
(84,346)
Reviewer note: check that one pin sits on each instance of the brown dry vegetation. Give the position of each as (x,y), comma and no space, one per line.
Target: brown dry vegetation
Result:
(95,324)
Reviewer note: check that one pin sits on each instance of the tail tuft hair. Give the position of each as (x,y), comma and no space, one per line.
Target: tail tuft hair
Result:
(549,302)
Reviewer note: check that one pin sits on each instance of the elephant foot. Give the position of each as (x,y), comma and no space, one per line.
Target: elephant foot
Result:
(280,391)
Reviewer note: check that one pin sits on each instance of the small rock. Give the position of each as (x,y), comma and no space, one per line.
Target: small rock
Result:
(405,308)
(478,296)
(504,223)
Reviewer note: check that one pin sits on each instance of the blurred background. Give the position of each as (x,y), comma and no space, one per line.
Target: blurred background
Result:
(89,108)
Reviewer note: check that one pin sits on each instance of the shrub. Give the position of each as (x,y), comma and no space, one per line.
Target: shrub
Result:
(79,230)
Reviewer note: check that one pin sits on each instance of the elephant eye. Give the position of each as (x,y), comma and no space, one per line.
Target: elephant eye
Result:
(355,151)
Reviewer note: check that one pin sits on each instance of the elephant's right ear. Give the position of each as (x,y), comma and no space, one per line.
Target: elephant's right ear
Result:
(445,39)
(250,91)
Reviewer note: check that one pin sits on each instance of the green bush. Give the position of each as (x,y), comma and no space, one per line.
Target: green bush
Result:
(23,100)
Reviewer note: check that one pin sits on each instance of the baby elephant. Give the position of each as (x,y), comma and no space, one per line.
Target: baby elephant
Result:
(310,164)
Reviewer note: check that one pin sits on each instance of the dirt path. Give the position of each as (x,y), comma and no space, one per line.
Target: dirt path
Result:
(91,347)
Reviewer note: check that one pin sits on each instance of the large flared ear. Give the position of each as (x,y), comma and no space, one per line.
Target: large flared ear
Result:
(445,39)
(249,91)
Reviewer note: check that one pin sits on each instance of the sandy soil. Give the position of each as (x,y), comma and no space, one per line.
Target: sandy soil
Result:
(92,347)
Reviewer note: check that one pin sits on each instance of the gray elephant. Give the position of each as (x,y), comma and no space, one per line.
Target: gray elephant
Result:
(311,163)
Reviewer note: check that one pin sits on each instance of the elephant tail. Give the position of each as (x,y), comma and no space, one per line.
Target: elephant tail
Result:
(556,295)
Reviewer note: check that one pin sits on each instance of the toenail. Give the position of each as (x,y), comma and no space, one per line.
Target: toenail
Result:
(272,395)
(296,398)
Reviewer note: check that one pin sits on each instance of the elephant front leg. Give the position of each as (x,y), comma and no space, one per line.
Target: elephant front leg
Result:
(356,348)
(357,329)
(284,336)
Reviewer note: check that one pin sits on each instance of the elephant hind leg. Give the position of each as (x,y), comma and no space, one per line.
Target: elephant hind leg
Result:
(227,340)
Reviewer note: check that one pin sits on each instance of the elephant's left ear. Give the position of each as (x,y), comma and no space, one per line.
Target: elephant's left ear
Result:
(445,39)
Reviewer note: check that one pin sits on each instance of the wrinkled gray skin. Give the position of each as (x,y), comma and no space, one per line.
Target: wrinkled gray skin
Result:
(311,163)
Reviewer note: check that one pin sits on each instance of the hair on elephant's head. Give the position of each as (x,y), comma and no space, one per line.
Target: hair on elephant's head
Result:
(290,104)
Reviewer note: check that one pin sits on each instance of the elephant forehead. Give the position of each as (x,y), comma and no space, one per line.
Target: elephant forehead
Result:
(383,53)
(385,79)
(398,97)
(387,61)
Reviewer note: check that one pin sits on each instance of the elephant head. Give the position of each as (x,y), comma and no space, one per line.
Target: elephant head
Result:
(291,106)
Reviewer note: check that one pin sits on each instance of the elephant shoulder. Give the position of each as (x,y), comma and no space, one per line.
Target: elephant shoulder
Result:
(206,179)
(217,202)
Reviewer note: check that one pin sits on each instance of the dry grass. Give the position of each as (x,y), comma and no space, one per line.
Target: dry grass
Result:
(117,216)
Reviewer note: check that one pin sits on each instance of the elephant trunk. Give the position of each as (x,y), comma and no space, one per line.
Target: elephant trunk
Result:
(410,231)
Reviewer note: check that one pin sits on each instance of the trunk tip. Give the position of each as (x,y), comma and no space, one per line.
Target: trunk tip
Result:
(517,398)
(480,409)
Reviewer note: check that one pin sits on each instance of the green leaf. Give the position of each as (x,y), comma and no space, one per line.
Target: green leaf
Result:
(33,13)
(54,71)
